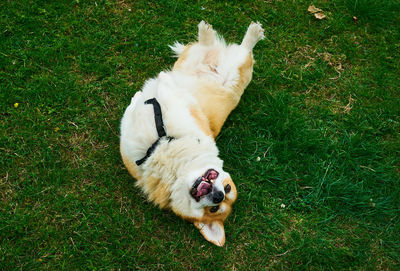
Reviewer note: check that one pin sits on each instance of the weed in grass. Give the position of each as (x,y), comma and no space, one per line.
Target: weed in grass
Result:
(374,11)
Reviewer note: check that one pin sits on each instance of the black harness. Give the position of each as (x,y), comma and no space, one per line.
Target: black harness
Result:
(160,130)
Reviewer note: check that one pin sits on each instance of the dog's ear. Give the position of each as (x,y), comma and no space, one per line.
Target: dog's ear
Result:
(214,232)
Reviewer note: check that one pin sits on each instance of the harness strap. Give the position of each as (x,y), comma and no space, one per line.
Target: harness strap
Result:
(157,117)
(160,130)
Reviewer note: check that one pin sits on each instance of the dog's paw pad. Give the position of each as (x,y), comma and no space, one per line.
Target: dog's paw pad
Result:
(204,26)
(256,30)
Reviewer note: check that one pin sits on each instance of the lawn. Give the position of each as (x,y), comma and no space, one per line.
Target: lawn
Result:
(313,147)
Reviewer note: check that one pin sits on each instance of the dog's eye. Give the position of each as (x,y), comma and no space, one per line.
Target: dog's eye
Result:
(227,188)
(214,209)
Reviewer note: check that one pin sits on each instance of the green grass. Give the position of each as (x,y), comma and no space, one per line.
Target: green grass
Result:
(322,114)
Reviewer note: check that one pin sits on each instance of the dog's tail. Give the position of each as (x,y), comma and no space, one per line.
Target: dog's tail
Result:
(177,48)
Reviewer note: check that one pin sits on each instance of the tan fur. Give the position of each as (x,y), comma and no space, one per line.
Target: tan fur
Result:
(201,120)
(233,190)
(245,74)
(158,191)
(131,167)
(208,217)
(216,103)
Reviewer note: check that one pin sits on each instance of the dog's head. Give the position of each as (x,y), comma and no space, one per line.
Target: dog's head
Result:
(211,196)
(217,200)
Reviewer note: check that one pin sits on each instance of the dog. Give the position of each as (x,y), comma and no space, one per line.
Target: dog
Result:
(168,131)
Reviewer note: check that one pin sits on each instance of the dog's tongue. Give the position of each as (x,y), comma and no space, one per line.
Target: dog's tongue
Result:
(203,189)
(211,174)
(205,186)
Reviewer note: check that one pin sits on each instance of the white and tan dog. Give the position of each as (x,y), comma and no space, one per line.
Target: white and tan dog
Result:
(168,130)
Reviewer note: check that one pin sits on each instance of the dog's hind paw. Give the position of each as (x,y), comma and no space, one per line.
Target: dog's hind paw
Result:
(254,33)
(207,34)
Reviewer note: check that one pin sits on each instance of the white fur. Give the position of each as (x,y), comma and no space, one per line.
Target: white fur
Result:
(181,161)
(230,195)
(177,48)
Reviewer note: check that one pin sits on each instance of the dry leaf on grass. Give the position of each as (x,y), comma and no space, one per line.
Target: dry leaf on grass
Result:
(318,13)
(313,9)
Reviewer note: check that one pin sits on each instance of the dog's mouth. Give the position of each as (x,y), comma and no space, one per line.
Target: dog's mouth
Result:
(204,184)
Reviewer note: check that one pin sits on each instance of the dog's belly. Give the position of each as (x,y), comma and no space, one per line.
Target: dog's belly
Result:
(223,72)
(173,92)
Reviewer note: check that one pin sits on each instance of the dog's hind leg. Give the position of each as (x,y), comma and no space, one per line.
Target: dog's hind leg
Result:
(254,33)
(207,35)
(242,78)
(192,56)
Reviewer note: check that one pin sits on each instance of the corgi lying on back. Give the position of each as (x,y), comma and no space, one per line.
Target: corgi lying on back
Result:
(168,130)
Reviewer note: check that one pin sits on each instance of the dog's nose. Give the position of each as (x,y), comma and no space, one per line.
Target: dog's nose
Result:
(218,197)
